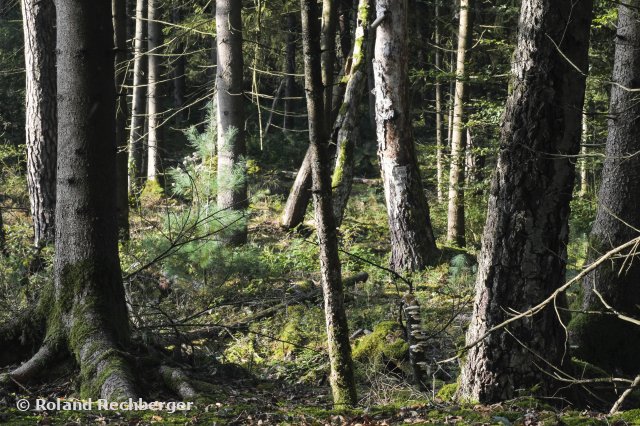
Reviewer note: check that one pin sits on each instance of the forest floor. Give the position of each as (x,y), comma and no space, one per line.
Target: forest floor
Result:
(247,325)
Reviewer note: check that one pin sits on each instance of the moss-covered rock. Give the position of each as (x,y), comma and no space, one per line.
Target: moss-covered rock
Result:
(447,392)
(386,342)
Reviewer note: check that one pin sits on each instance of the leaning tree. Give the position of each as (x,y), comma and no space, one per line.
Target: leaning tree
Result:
(523,256)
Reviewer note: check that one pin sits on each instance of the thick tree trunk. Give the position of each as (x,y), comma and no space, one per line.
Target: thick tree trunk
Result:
(346,125)
(290,80)
(119,10)
(41,121)
(232,187)
(438,96)
(523,257)
(153,92)
(606,340)
(86,308)
(139,97)
(341,378)
(455,211)
(412,243)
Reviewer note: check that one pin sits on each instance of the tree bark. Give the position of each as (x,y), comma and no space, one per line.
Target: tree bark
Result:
(290,80)
(455,211)
(139,95)
(119,10)
(153,92)
(523,257)
(341,378)
(438,96)
(86,308)
(346,126)
(606,340)
(412,242)
(179,70)
(41,121)
(584,186)
(328,52)
(232,187)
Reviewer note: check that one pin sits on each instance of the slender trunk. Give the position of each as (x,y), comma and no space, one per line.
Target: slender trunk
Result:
(371,46)
(276,98)
(179,69)
(3,237)
(341,378)
(605,340)
(346,126)
(232,190)
(139,95)
(290,80)
(299,196)
(328,49)
(41,121)
(524,251)
(438,89)
(412,242)
(584,186)
(153,95)
(119,10)
(452,91)
(455,211)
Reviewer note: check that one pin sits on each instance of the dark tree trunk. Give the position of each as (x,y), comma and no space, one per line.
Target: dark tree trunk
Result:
(179,69)
(119,10)
(523,257)
(3,237)
(86,310)
(413,246)
(344,25)
(41,121)
(232,195)
(339,348)
(153,92)
(139,97)
(299,196)
(328,52)
(606,340)
(346,126)
(290,80)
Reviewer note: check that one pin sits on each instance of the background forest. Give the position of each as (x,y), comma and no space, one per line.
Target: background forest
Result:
(321,212)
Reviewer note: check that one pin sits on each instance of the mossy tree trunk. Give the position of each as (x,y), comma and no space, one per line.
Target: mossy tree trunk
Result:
(85,308)
(346,126)
(341,377)
(40,114)
(413,245)
(606,340)
(523,257)
(232,186)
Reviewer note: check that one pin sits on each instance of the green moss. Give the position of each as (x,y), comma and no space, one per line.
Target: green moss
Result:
(152,193)
(385,341)
(631,417)
(447,392)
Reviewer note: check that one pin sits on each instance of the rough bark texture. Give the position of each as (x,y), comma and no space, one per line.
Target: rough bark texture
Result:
(341,378)
(412,243)
(119,10)
(139,97)
(346,125)
(88,314)
(455,211)
(604,339)
(153,92)
(328,54)
(41,137)
(523,256)
(232,187)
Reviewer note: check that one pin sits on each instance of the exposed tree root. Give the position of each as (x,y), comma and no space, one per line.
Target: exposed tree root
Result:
(177,381)
(23,335)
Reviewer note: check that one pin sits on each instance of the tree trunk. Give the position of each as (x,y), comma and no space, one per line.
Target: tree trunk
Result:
(371,46)
(179,69)
(290,80)
(139,95)
(412,243)
(455,211)
(584,186)
(86,310)
(328,49)
(438,96)
(341,378)
(41,121)
(153,95)
(232,187)
(523,257)
(119,10)
(606,340)
(346,125)
(3,237)
(344,25)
